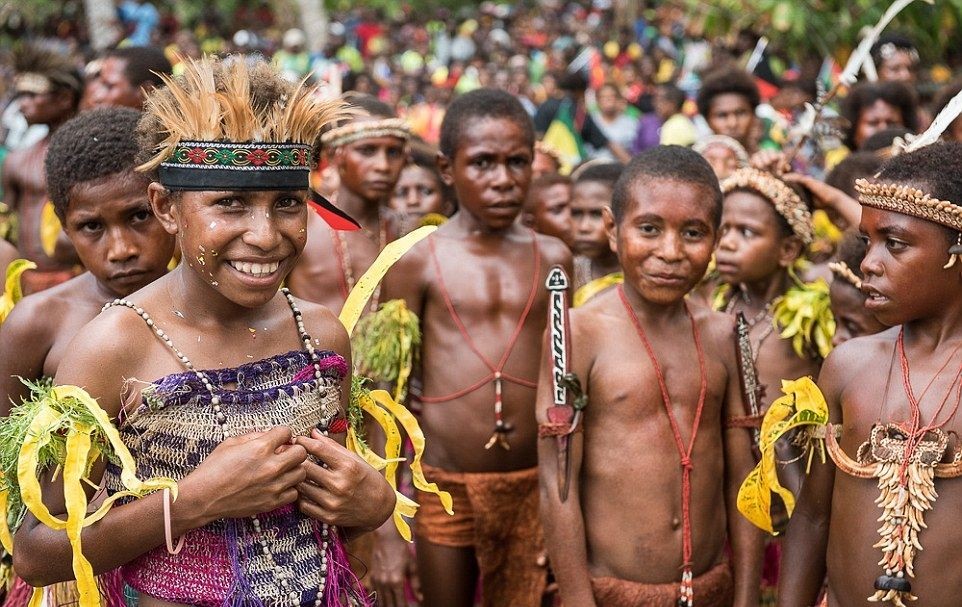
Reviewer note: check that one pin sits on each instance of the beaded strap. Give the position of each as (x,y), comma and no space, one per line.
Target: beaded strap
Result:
(282,575)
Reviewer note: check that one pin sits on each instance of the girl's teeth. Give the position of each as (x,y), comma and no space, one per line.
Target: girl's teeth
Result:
(254,269)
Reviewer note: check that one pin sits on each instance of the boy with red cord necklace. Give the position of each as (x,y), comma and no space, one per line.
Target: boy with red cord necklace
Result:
(477,286)
(618,540)
(893,398)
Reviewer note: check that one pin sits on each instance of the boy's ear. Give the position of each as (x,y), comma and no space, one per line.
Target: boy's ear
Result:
(611,228)
(790,250)
(162,204)
(445,167)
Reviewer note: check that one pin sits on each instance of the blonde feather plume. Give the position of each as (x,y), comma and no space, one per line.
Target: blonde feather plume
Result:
(231,100)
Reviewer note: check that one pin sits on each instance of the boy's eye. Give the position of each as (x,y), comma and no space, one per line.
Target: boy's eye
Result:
(141,215)
(693,234)
(90,226)
(366,150)
(481,163)
(519,162)
(395,153)
(647,228)
(894,245)
(425,191)
(747,232)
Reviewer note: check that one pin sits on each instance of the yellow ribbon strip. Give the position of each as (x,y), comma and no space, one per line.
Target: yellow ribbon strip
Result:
(50,229)
(596,286)
(12,291)
(380,405)
(801,405)
(362,291)
(54,416)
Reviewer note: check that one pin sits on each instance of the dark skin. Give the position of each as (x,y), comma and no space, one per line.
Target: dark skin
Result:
(834,527)
(548,211)
(589,199)
(220,300)
(851,318)
(8,253)
(755,252)
(124,248)
(24,182)
(487,264)
(733,115)
(607,527)
(368,171)
(112,88)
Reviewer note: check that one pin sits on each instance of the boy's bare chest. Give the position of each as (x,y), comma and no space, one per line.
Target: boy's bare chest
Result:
(478,287)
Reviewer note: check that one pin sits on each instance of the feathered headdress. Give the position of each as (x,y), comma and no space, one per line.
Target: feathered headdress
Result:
(42,70)
(227,125)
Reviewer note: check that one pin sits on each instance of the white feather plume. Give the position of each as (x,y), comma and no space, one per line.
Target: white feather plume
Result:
(946,117)
(864,47)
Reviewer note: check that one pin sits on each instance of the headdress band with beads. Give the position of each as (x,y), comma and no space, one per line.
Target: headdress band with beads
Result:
(908,201)
(786,201)
(229,165)
(841,270)
(366,129)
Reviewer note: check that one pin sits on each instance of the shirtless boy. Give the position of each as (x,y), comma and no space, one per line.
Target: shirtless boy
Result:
(103,206)
(369,153)
(906,376)
(627,531)
(595,262)
(477,286)
(49,88)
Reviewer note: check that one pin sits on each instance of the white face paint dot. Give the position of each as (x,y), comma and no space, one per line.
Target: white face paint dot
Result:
(212,225)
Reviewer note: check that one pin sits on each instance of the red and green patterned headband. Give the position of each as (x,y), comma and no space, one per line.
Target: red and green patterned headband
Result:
(228,165)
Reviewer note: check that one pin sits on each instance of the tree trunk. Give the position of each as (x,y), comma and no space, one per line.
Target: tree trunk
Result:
(314,22)
(101,23)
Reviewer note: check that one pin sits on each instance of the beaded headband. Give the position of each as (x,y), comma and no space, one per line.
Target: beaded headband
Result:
(33,83)
(228,165)
(908,201)
(726,142)
(366,129)
(786,201)
(841,269)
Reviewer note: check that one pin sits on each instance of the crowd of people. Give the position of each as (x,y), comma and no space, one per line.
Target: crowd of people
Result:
(665,321)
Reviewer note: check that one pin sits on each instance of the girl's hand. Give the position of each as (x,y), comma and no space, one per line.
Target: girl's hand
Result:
(347,492)
(246,475)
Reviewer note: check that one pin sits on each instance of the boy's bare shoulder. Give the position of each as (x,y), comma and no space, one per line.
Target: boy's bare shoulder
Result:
(856,356)
(40,316)
(411,265)
(553,250)
(598,315)
(717,328)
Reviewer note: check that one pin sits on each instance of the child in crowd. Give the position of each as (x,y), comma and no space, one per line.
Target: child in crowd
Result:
(102,203)
(892,400)
(611,543)
(420,193)
(477,285)
(547,209)
(848,300)
(594,259)
(369,152)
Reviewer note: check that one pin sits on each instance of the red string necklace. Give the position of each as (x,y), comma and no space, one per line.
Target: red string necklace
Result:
(915,431)
(687,593)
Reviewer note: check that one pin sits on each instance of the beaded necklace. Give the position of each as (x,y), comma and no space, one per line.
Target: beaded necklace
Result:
(282,575)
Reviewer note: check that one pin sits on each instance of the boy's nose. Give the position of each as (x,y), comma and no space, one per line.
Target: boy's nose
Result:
(121,248)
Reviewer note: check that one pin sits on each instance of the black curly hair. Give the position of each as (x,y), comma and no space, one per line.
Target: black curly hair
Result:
(92,145)
(727,81)
(671,162)
(866,94)
(935,169)
(142,64)
(479,104)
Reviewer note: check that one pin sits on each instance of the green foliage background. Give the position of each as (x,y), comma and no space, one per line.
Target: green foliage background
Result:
(822,27)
